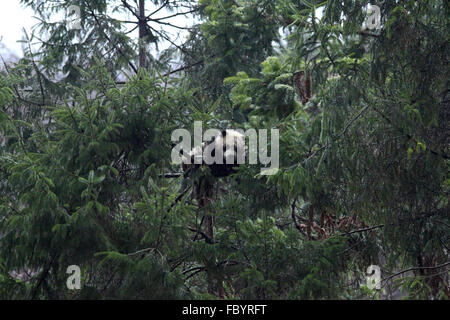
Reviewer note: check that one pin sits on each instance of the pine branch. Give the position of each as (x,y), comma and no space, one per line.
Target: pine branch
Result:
(416,268)
(194,273)
(158,20)
(204,235)
(42,278)
(130,8)
(159,9)
(388,120)
(361,230)
(109,39)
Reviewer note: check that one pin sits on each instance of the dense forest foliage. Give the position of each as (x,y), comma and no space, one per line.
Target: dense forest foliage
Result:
(363,113)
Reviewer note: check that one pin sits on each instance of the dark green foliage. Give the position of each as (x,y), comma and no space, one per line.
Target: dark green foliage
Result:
(86,176)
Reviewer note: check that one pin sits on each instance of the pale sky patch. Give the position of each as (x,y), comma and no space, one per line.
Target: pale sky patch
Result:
(14,18)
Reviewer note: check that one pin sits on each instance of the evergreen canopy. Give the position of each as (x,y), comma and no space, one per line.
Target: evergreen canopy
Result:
(86,176)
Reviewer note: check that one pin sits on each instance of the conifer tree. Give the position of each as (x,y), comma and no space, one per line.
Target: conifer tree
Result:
(86,176)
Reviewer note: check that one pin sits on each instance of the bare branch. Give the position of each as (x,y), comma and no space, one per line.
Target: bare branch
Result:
(130,8)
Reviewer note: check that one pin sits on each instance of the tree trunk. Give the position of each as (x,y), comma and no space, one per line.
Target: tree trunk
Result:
(142,34)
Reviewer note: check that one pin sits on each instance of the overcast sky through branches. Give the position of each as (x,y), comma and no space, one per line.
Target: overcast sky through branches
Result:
(15,17)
